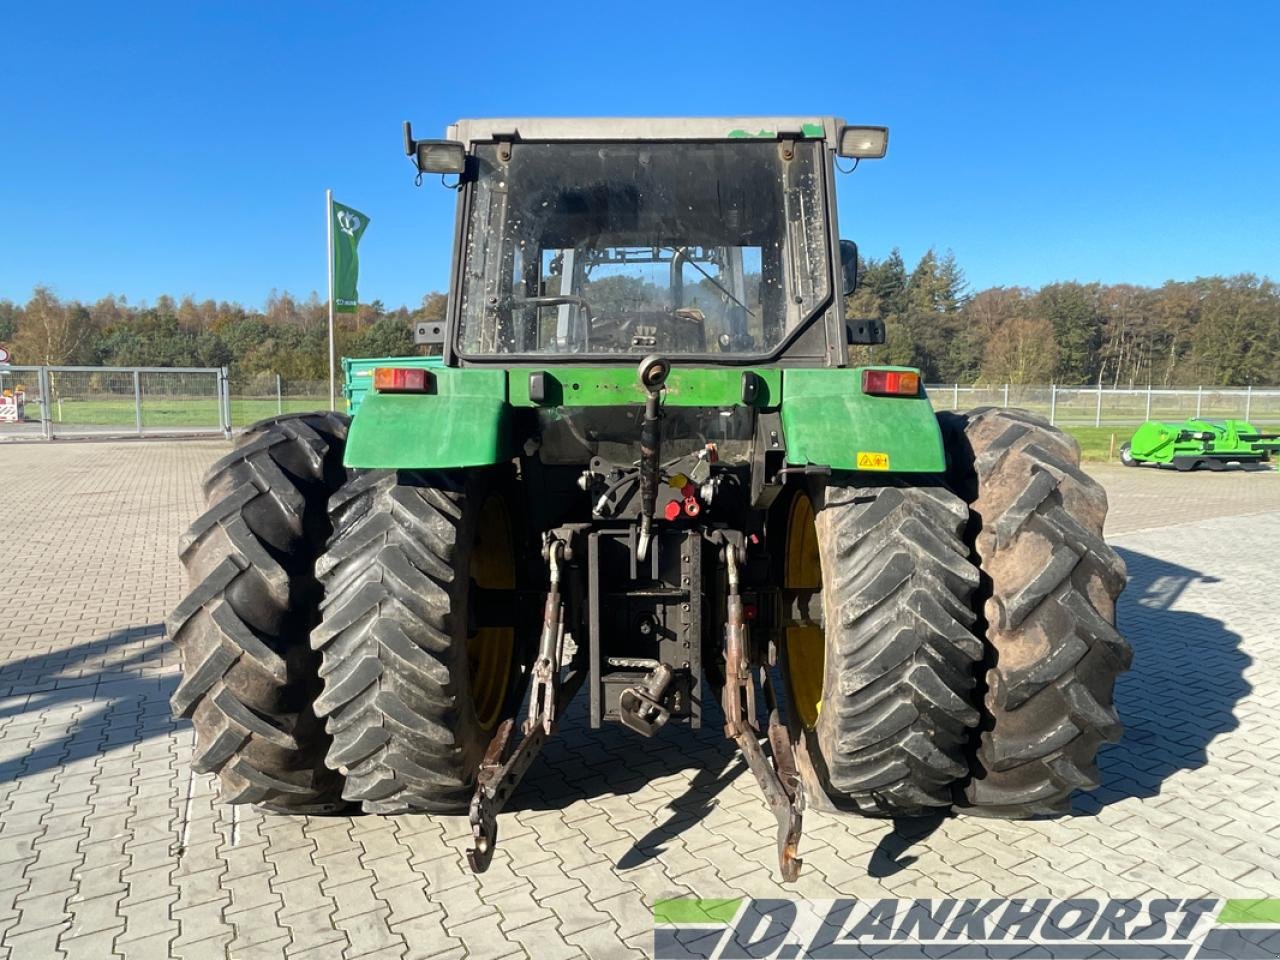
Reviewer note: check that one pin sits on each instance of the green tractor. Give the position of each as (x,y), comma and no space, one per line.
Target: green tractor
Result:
(1195,443)
(638,460)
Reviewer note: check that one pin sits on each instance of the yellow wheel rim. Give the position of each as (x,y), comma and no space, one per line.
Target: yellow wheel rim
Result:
(489,652)
(806,646)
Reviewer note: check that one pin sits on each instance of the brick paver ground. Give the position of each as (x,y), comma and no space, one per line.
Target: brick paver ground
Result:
(110,846)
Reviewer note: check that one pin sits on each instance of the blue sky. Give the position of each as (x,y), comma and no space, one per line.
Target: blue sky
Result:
(185,148)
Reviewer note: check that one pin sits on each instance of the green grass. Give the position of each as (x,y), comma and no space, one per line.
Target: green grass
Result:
(1095,442)
(244,412)
(176,412)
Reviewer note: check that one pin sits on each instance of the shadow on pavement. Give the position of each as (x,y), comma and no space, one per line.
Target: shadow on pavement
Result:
(1182,691)
(107,694)
(579,763)
(889,856)
(690,807)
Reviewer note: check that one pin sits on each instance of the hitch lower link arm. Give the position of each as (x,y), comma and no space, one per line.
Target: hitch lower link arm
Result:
(502,768)
(779,779)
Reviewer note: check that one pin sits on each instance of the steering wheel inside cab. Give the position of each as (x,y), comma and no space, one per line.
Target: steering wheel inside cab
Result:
(672,331)
(682,330)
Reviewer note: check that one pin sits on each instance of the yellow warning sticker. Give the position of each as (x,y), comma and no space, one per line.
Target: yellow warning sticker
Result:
(871,460)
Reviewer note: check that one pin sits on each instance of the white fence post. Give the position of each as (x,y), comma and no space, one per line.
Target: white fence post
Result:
(1053,404)
(1199,400)
(279,396)
(137,400)
(955,398)
(1148,401)
(1097,416)
(1248,400)
(46,402)
(225,401)
(1006,395)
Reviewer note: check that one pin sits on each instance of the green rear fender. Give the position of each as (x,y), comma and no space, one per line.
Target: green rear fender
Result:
(828,420)
(464,422)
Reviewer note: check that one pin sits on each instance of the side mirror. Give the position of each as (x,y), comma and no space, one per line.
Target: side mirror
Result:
(849,265)
(865,332)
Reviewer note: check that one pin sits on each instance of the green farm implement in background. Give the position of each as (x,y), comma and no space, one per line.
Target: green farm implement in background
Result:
(1194,443)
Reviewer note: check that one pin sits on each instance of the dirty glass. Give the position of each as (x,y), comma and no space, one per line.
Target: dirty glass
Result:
(678,248)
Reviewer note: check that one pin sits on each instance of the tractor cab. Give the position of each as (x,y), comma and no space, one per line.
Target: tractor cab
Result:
(611,239)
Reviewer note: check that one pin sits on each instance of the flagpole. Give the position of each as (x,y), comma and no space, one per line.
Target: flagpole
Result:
(333,382)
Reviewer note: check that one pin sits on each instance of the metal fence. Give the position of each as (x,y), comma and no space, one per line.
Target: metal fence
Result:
(269,394)
(51,402)
(1102,406)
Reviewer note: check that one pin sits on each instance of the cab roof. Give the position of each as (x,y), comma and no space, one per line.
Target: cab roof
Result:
(646,128)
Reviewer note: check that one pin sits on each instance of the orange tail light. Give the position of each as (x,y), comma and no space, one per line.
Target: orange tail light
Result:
(891,383)
(402,380)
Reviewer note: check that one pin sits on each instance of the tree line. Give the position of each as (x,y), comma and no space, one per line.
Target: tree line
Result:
(287,336)
(1209,331)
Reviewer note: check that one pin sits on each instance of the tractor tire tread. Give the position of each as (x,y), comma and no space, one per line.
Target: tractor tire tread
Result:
(387,637)
(1050,583)
(896,716)
(248,675)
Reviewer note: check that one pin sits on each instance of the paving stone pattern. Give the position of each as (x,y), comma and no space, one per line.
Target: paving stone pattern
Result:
(109,846)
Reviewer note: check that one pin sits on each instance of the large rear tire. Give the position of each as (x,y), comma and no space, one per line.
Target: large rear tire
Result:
(1049,586)
(412,693)
(249,676)
(882,691)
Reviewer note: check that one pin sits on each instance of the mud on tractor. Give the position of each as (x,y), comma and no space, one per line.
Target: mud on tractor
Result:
(639,462)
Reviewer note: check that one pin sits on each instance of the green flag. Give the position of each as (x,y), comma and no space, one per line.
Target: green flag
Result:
(348,227)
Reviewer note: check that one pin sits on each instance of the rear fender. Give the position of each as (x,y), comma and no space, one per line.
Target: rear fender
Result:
(827,420)
(463,422)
